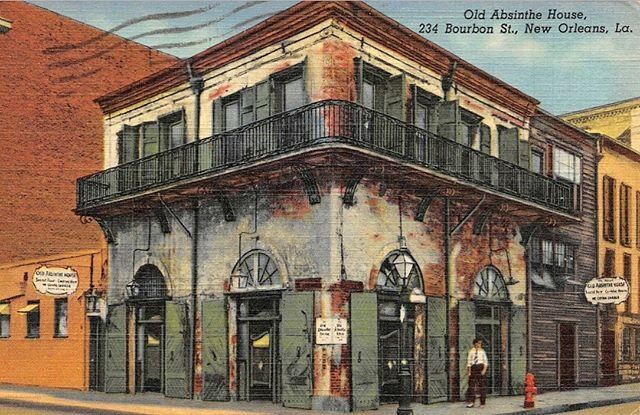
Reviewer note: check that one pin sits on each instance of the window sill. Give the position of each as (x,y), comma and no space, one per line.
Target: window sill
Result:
(4,337)
(61,337)
(31,337)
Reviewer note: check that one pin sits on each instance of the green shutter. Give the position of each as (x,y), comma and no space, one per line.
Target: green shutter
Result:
(247,103)
(150,138)
(176,354)
(116,350)
(485,139)
(523,153)
(508,144)
(359,76)
(518,348)
(129,149)
(364,351)
(466,334)
(396,97)
(296,349)
(215,371)
(448,120)
(217,116)
(436,350)
(263,100)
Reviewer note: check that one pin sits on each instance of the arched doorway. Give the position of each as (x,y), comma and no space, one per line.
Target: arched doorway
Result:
(257,284)
(398,276)
(492,306)
(148,296)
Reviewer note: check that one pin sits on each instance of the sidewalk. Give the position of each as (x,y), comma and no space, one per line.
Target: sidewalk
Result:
(101,403)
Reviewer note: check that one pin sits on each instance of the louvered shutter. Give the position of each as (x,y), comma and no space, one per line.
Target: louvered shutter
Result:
(115,364)
(485,139)
(517,348)
(296,349)
(215,370)
(364,351)
(523,154)
(396,97)
(177,367)
(449,120)
(436,350)
(508,144)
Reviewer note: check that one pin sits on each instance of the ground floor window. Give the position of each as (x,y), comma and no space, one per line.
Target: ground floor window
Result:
(5,319)
(61,318)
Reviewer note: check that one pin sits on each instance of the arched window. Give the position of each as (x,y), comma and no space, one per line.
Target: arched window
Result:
(256,270)
(150,283)
(396,265)
(489,285)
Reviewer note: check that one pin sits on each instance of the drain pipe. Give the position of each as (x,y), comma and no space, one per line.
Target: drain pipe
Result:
(447,270)
(197,84)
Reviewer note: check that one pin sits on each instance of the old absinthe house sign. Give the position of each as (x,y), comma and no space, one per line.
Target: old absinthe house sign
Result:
(55,280)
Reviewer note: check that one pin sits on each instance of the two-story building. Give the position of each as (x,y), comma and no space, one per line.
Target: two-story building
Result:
(317,206)
(618,126)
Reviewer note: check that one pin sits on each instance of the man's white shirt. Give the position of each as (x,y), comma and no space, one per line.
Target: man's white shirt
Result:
(477,357)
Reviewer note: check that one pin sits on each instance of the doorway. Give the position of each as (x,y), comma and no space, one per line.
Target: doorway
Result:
(389,347)
(489,329)
(150,347)
(96,354)
(566,355)
(257,345)
(608,350)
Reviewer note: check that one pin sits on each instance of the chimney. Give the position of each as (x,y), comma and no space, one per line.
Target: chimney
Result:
(5,25)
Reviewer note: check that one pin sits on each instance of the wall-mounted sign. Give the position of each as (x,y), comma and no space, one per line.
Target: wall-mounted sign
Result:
(331,331)
(606,290)
(55,280)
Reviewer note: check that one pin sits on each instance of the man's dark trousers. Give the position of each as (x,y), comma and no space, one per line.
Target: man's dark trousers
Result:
(477,385)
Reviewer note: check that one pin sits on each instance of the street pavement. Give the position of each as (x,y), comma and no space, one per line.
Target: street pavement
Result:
(41,400)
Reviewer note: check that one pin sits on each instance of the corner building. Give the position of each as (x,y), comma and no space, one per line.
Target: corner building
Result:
(302,209)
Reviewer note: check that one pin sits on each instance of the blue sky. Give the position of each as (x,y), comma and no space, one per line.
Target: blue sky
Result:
(565,72)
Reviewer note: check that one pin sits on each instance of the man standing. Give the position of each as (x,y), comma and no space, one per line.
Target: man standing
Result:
(477,365)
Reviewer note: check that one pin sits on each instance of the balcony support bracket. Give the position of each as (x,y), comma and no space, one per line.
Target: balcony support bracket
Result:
(162,219)
(348,198)
(168,209)
(468,216)
(481,220)
(227,209)
(309,183)
(105,226)
(423,206)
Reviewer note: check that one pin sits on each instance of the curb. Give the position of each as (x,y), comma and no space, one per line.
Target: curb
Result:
(556,409)
(72,409)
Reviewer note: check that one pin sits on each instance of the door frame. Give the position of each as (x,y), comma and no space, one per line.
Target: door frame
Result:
(502,324)
(139,368)
(574,324)
(276,297)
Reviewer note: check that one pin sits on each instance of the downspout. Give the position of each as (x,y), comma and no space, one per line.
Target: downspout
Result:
(197,84)
(447,267)
(596,225)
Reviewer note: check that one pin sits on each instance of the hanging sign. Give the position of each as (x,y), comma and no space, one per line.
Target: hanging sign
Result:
(55,280)
(331,331)
(607,290)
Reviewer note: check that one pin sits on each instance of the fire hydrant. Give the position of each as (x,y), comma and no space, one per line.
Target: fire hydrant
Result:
(530,391)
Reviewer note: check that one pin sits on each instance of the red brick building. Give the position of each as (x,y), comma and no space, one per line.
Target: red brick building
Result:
(53,67)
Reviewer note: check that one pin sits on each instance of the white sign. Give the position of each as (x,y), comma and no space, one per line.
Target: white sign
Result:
(331,331)
(55,280)
(606,290)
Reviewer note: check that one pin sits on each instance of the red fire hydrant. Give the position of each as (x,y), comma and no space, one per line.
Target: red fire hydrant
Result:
(530,391)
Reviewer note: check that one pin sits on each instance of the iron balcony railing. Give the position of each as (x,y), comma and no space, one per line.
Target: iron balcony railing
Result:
(320,123)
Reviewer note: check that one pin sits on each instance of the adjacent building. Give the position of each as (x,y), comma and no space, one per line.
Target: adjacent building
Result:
(327,202)
(618,127)
(52,69)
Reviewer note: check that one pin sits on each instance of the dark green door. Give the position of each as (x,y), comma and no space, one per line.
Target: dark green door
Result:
(116,350)
(176,357)
(518,348)
(364,351)
(296,331)
(215,369)
(436,349)
(466,334)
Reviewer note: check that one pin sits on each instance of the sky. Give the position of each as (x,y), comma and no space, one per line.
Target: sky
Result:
(564,71)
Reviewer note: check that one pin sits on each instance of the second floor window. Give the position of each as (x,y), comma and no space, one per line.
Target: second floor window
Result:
(553,262)
(608,208)
(566,166)
(537,161)
(609,268)
(625,215)
(148,138)
(231,115)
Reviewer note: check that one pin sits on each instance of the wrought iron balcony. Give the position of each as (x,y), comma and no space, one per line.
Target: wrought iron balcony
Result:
(317,124)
